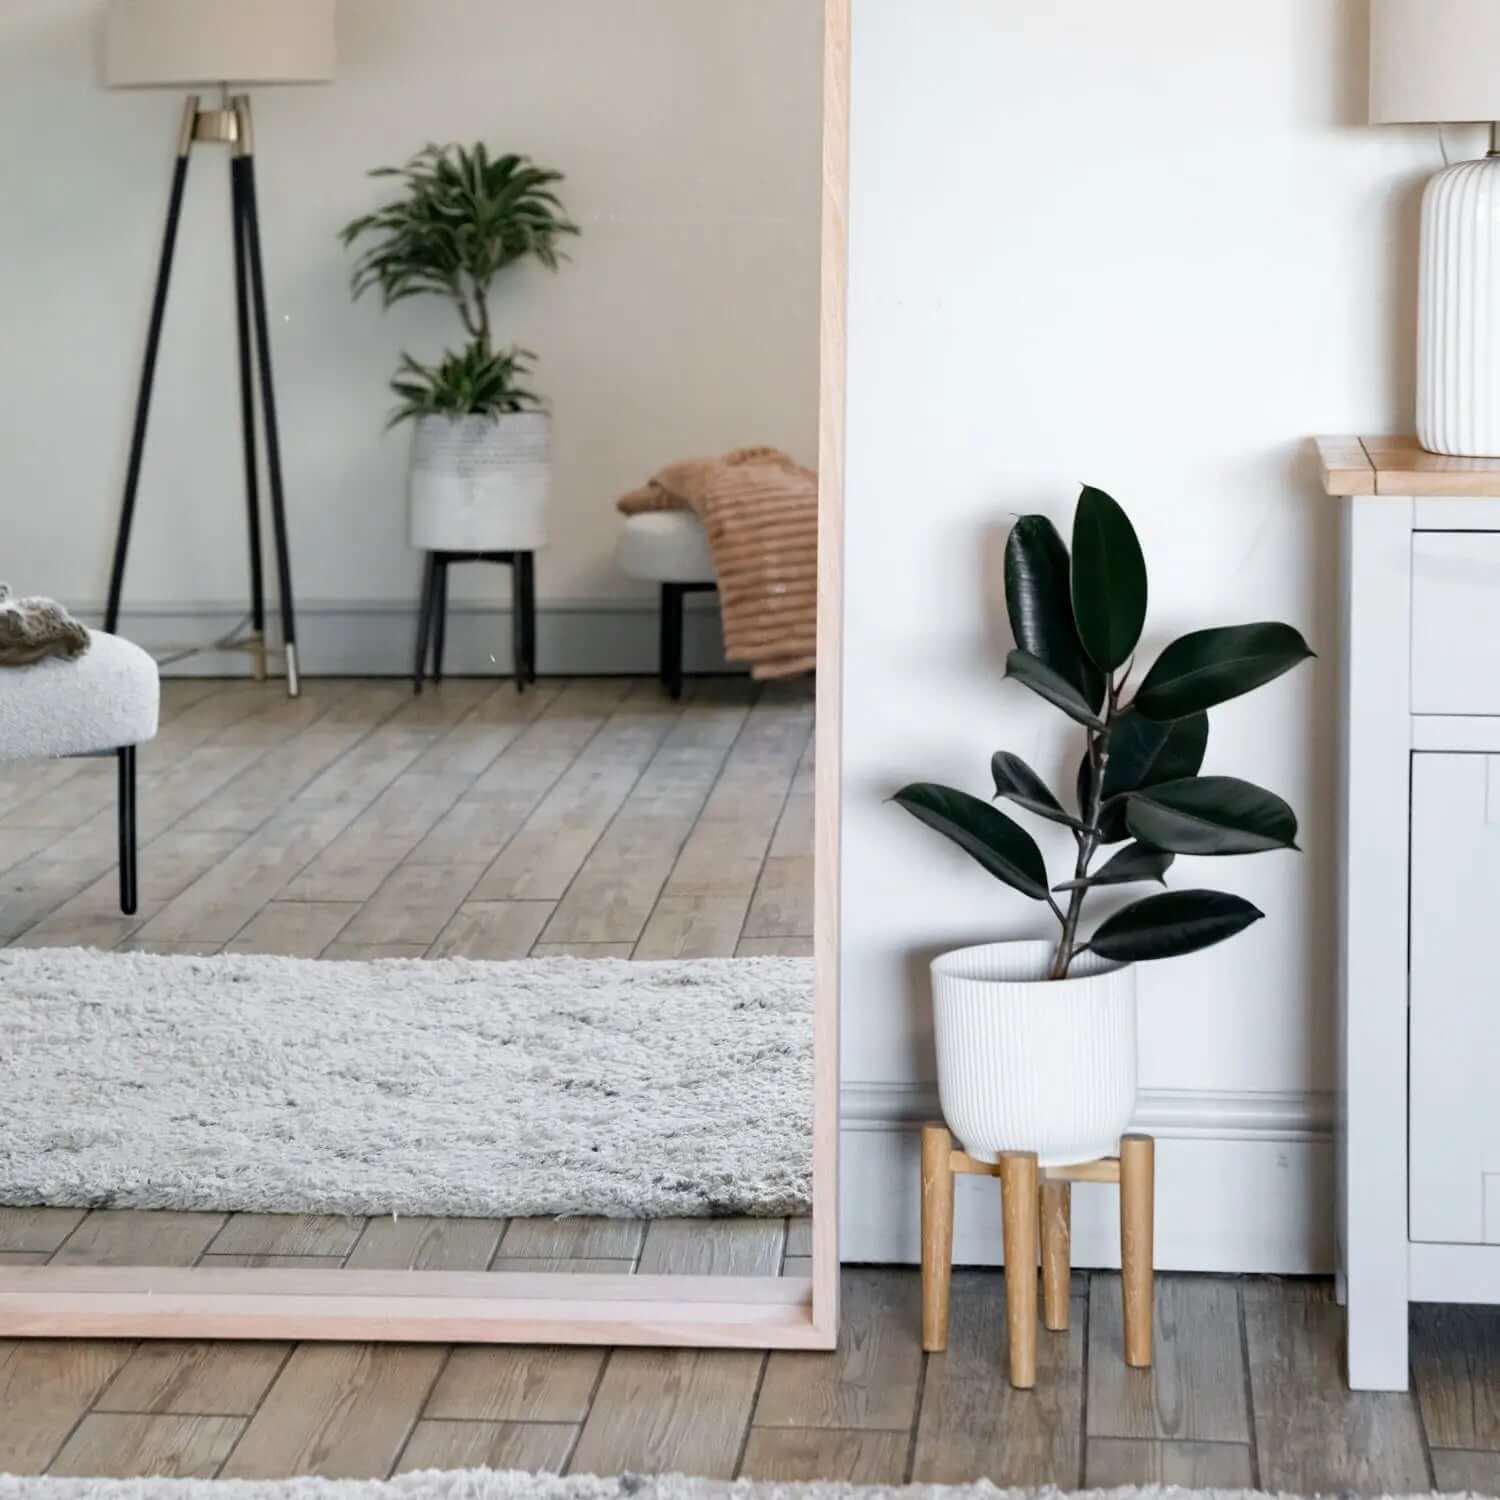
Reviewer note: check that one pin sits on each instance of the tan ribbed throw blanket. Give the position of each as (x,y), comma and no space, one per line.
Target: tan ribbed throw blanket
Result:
(760,510)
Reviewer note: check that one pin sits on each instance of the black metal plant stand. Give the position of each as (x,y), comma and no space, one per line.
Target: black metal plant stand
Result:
(432,616)
(230,125)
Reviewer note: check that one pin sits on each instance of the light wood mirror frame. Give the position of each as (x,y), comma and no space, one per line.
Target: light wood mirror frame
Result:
(466,1306)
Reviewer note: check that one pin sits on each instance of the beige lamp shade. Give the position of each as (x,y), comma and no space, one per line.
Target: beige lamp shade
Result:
(167,43)
(1434,60)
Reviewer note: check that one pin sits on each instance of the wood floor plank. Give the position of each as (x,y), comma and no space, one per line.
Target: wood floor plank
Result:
(293,929)
(1117,1462)
(663,1411)
(693,927)
(418,1243)
(792,947)
(492,930)
(536,1447)
(1312,1433)
(580,1238)
(414,905)
(45,1387)
(803,1455)
(972,1422)
(288,1234)
(515,1265)
(783,901)
(1195,1389)
(138,1237)
(1456,1364)
(194,1378)
(713,1247)
(799,1235)
(516,1384)
(372,952)
(274,1262)
(340,1411)
(491,726)
(872,1380)
(32,1229)
(583,950)
(1460,1473)
(119,1445)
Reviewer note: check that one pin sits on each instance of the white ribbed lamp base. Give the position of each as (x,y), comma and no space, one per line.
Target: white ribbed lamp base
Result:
(1026,1064)
(1458,344)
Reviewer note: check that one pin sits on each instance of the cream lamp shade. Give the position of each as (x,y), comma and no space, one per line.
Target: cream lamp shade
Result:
(177,43)
(1434,61)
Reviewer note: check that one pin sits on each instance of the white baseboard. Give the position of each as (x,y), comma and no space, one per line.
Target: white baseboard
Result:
(377,638)
(1244,1182)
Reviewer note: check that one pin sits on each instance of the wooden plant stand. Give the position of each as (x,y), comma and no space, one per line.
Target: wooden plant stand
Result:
(1036,1205)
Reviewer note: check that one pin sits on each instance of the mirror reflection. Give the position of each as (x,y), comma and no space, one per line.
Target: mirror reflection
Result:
(406,701)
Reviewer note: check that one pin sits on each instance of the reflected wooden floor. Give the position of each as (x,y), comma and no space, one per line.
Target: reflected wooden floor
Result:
(587,817)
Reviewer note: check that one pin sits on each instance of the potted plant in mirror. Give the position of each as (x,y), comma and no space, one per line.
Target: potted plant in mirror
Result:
(481,441)
(1036,1041)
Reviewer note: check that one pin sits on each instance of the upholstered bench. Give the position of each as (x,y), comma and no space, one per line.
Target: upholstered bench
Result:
(669,547)
(104,703)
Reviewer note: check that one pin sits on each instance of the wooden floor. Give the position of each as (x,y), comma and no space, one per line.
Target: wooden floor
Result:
(593,817)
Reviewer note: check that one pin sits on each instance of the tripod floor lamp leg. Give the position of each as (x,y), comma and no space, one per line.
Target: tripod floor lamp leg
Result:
(148,367)
(247,415)
(251,213)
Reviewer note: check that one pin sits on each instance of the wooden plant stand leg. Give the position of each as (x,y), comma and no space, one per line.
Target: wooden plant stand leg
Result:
(1057,1271)
(1137,1247)
(937,1235)
(1019,1193)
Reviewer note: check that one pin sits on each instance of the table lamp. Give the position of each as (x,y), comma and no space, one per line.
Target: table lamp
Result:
(181,44)
(1438,61)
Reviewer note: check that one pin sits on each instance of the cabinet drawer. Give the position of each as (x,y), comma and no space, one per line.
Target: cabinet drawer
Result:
(1455,622)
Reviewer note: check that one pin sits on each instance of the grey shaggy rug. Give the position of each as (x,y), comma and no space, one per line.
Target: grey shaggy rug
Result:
(487,1484)
(408,1086)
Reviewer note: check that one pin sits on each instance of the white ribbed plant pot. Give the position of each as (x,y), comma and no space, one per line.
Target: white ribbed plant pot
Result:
(1028,1064)
(1458,342)
(480,483)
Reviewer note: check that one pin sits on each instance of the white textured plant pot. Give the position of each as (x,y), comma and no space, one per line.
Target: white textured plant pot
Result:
(1458,341)
(480,484)
(1027,1064)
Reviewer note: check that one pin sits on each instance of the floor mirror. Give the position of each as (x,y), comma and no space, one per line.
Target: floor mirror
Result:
(405,1041)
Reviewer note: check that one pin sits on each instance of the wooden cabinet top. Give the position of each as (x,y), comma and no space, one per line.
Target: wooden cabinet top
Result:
(1398,466)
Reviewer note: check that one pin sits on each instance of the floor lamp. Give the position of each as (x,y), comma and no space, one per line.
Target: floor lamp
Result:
(180,44)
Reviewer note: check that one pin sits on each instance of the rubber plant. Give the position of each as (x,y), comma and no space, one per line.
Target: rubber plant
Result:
(1077,620)
(463,217)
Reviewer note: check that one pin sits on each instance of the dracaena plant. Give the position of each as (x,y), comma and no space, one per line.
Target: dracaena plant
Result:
(462,218)
(1077,621)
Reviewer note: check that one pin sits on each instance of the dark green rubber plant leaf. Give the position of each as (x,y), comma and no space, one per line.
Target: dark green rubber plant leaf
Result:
(1211,815)
(1109,580)
(1169,925)
(1018,783)
(1134,862)
(1213,666)
(1057,690)
(983,832)
(1144,753)
(1038,598)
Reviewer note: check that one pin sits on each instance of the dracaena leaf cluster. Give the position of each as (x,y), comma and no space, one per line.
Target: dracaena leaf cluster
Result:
(461,218)
(1077,618)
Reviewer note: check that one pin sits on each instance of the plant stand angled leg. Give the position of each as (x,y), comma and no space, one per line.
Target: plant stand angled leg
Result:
(1137,1244)
(1018,1205)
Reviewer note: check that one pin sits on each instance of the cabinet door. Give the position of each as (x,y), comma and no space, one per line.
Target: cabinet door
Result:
(1455,999)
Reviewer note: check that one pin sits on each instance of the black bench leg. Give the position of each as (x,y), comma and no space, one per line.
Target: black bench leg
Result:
(128,888)
(672,595)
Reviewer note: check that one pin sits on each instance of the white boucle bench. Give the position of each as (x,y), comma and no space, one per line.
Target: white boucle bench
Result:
(104,703)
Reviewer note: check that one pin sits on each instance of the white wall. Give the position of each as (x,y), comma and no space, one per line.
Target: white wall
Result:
(1152,246)
(686,323)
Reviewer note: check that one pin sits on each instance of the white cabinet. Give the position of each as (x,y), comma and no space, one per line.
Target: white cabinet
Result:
(1419,890)
(1454,1130)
